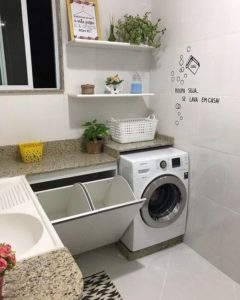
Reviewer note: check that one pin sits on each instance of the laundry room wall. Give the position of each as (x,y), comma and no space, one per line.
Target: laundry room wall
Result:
(196,80)
(57,116)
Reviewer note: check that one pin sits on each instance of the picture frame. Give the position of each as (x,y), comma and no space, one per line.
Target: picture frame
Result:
(83,18)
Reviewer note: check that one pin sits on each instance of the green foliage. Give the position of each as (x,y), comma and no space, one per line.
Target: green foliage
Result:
(113,80)
(112,37)
(139,30)
(95,131)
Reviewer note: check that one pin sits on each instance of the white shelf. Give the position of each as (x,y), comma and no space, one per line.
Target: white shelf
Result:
(106,45)
(111,95)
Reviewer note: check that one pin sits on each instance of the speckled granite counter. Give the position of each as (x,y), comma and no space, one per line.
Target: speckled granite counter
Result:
(53,275)
(61,155)
(114,149)
(53,163)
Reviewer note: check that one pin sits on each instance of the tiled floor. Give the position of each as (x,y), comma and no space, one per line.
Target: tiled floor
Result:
(177,273)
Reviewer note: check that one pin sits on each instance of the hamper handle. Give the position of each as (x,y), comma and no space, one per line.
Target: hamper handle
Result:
(151,117)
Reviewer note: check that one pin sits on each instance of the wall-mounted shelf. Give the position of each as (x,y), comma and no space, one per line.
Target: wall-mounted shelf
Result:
(107,45)
(110,95)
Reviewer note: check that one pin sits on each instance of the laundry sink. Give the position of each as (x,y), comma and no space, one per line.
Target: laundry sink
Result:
(23,223)
(21,231)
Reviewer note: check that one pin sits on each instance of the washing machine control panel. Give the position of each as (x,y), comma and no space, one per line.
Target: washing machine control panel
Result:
(163,164)
(176,162)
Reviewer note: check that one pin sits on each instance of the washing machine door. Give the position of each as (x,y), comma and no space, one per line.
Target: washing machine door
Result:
(166,198)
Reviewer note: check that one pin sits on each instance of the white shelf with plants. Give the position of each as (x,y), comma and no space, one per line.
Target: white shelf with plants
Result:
(106,45)
(82,96)
(145,38)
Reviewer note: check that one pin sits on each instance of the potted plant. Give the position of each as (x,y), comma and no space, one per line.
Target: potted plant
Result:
(139,30)
(7,262)
(112,37)
(114,84)
(94,135)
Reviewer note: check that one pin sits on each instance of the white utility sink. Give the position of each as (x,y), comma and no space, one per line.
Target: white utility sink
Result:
(23,223)
(21,231)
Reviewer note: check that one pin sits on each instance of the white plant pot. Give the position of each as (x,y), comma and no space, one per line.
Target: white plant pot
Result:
(114,88)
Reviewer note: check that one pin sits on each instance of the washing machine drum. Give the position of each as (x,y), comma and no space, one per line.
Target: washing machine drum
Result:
(166,197)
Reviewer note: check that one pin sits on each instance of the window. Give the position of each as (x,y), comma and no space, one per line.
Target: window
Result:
(29,54)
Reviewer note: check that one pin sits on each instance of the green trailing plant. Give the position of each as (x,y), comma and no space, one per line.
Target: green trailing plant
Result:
(95,131)
(139,30)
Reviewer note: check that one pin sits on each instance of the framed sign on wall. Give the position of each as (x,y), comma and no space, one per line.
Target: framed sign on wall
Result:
(83,19)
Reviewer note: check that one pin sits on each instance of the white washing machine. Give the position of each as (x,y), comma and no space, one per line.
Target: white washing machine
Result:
(160,176)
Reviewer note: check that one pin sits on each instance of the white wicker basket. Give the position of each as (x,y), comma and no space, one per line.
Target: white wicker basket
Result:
(133,130)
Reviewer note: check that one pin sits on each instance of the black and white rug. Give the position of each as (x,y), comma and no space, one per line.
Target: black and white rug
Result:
(100,287)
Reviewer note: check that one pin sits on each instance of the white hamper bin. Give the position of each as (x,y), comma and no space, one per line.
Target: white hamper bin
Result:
(64,202)
(92,214)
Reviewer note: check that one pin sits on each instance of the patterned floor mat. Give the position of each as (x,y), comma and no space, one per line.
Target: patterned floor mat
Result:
(100,287)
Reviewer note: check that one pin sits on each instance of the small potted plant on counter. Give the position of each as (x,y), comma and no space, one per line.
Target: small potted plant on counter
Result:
(94,135)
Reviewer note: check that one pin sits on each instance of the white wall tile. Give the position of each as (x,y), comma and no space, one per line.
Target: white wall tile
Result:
(203,233)
(228,253)
(208,131)
(192,21)
(162,105)
(214,209)
(218,74)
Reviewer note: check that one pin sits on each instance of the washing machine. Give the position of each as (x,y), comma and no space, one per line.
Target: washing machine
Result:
(160,176)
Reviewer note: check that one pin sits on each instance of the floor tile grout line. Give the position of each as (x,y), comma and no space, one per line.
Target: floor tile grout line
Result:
(165,276)
(206,262)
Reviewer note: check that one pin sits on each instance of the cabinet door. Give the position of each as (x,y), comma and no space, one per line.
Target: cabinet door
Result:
(97,228)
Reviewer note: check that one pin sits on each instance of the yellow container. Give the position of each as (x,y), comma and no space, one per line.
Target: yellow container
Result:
(31,152)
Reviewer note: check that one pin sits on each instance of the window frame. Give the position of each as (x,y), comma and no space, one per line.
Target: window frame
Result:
(29,89)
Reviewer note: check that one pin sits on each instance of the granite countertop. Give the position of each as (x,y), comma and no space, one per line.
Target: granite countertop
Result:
(59,155)
(52,163)
(53,275)
(67,154)
(114,148)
